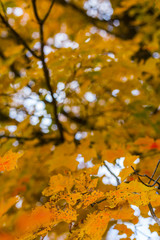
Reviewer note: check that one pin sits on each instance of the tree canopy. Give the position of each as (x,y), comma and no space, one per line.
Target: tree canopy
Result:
(79,119)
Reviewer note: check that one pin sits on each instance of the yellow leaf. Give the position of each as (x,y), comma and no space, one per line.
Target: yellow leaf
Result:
(9,161)
(6,205)
(59,183)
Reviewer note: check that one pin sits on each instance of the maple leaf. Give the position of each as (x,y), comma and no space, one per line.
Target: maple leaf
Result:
(93,228)
(29,222)
(148,143)
(75,92)
(9,161)
(123,229)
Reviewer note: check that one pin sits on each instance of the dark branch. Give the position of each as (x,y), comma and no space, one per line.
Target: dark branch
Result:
(3,8)
(153,214)
(23,42)
(35,11)
(95,21)
(152,185)
(73,118)
(150,178)
(49,10)
(154,171)
(45,68)
(118,182)
(39,20)
(17,138)
(100,201)
(39,137)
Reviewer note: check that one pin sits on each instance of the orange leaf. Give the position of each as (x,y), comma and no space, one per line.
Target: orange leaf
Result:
(110,155)
(9,161)
(123,229)
(6,205)
(40,216)
(6,236)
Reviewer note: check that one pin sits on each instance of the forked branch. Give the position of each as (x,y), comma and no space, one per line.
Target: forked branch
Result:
(41,22)
(45,68)
(16,34)
(150,185)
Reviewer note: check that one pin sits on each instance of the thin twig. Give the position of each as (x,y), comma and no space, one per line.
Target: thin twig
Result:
(153,214)
(49,10)
(154,171)
(39,20)
(18,138)
(152,185)
(118,182)
(45,68)
(150,179)
(23,42)
(155,182)
(42,140)
(3,8)
(35,11)
(100,201)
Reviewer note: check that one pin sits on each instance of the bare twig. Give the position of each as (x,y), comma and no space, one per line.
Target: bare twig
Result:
(150,179)
(151,185)
(35,11)
(16,34)
(48,12)
(41,139)
(153,214)
(118,182)
(41,21)
(155,171)
(3,8)
(18,138)
(45,68)
(100,201)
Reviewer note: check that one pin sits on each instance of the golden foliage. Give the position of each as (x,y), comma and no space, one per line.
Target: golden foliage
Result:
(79,95)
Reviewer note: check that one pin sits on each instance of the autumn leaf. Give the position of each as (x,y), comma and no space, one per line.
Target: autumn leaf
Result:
(93,228)
(29,222)
(123,229)
(9,161)
(148,143)
(6,236)
(79,85)
(6,205)
(111,155)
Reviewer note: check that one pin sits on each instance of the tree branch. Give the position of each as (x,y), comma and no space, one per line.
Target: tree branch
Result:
(39,20)
(45,68)
(118,182)
(154,182)
(42,140)
(154,171)
(49,10)
(35,11)
(95,21)
(17,138)
(153,214)
(23,42)
(150,178)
